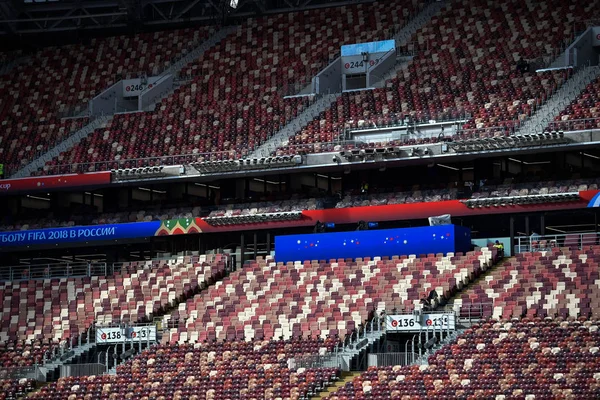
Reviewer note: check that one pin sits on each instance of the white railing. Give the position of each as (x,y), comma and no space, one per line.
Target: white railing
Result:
(32,372)
(56,270)
(392,359)
(536,242)
(82,370)
(574,125)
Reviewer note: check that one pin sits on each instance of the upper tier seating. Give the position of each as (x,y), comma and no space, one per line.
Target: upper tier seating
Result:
(583,112)
(554,282)
(468,69)
(531,359)
(215,371)
(54,310)
(60,80)
(234,100)
(272,300)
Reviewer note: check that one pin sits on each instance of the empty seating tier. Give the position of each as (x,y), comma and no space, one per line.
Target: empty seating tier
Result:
(217,371)
(268,300)
(12,389)
(530,359)
(39,313)
(234,101)
(57,81)
(468,71)
(553,282)
(583,112)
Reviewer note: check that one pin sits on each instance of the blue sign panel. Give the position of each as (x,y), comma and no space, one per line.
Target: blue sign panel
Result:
(387,242)
(372,47)
(79,234)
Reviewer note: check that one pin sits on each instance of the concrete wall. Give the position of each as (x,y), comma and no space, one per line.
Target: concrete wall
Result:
(104,103)
(329,80)
(150,96)
(582,51)
(376,72)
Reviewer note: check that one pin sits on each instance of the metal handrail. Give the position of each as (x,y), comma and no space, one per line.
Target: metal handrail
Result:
(67,270)
(52,270)
(574,124)
(536,242)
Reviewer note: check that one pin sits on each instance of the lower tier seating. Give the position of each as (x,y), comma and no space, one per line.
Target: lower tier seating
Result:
(39,314)
(529,359)
(12,389)
(216,371)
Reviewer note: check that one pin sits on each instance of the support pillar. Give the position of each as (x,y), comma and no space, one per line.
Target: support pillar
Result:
(255,245)
(242,248)
(512,234)
(543,225)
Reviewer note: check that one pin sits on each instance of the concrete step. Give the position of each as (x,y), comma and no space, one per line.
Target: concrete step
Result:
(331,390)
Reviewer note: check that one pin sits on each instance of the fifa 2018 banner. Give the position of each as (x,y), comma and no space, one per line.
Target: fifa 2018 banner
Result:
(79,234)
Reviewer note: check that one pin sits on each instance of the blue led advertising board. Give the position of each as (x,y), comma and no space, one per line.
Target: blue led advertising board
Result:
(385,242)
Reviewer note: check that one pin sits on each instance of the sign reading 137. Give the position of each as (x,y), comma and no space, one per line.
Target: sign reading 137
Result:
(117,335)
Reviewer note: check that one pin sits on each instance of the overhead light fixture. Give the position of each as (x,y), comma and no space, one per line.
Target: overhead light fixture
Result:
(590,156)
(447,167)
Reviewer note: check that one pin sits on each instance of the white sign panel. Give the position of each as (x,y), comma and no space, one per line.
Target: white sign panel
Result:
(408,322)
(356,64)
(120,335)
(134,87)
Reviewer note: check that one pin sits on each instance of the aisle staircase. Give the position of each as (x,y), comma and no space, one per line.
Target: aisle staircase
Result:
(332,390)
(103,120)
(281,138)
(559,100)
(72,140)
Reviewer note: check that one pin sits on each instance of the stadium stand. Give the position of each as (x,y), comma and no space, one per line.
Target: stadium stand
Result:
(59,81)
(238,334)
(267,207)
(460,75)
(212,371)
(157,213)
(12,389)
(554,282)
(582,113)
(40,314)
(227,113)
(268,300)
(91,217)
(528,359)
(341,295)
